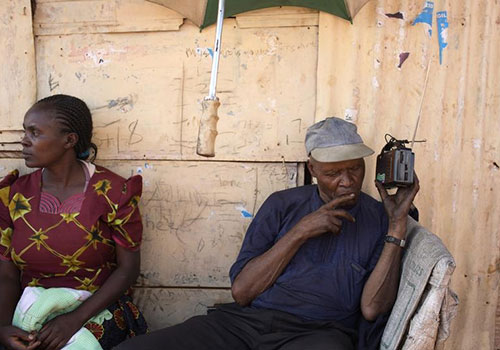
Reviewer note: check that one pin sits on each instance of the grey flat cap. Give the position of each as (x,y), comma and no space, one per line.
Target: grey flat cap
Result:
(335,140)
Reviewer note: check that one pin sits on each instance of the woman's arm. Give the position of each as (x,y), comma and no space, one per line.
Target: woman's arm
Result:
(10,292)
(57,332)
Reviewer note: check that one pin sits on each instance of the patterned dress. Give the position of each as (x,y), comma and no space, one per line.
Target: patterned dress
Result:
(72,244)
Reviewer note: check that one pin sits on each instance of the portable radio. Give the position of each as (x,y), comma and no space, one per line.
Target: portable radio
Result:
(395,164)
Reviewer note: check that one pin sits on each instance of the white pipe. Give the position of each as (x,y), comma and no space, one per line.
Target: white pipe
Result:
(217,46)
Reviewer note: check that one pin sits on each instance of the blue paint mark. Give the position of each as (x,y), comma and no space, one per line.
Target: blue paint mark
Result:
(246,214)
(442,23)
(426,16)
(211,52)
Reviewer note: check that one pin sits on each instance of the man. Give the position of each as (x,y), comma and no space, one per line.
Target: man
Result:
(315,261)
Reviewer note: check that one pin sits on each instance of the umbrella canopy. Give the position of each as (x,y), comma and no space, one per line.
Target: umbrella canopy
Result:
(204,12)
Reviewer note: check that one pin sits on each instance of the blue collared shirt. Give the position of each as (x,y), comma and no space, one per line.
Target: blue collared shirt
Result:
(325,278)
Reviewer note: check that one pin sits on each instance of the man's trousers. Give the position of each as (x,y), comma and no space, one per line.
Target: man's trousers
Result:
(232,327)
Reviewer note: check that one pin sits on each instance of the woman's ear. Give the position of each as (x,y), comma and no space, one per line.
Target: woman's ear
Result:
(71,140)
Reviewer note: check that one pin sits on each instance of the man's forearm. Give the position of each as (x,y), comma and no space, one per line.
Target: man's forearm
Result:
(380,291)
(262,271)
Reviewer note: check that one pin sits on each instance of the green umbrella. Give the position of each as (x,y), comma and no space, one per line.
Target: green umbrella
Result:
(206,12)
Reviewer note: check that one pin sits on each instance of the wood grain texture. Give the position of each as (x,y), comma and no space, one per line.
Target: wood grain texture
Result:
(17,62)
(195,215)
(145,89)
(103,16)
(163,307)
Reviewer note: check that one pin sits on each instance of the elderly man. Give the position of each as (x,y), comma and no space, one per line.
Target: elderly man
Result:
(315,261)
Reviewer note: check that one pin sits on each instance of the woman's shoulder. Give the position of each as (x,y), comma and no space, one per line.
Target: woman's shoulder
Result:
(104,173)
(12,182)
(105,179)
(9,179)
(13,178)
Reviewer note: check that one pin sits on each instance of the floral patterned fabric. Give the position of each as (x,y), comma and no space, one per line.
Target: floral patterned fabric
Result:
(127,322)
(74,249)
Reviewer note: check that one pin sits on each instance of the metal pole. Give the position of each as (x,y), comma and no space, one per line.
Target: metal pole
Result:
(217,45)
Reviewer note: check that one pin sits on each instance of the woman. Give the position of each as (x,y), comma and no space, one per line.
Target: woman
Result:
(69,224)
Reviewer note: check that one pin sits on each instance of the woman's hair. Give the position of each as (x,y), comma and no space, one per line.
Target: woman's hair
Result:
(74,116)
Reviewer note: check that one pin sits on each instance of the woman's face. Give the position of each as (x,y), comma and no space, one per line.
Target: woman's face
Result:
(43,143)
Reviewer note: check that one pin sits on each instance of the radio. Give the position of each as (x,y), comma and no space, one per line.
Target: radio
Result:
(395,164)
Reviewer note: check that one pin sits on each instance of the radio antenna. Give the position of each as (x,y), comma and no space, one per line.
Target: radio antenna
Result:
(421,102)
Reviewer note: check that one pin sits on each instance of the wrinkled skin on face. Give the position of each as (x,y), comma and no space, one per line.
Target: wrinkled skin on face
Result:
(336,179)
(44,143)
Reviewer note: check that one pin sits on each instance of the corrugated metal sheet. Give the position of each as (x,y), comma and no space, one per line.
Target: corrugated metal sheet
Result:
(359,77)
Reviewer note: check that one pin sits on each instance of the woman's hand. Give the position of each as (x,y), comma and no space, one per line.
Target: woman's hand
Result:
(56,333)
(16,339)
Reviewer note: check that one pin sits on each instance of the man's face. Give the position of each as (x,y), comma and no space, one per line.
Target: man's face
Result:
(338,178)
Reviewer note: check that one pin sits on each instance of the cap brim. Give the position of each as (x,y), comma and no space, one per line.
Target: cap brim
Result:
(341,153)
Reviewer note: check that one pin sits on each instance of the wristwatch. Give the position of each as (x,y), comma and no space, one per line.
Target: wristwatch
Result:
(396,241)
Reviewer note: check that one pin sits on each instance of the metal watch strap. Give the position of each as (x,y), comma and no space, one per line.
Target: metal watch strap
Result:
(396,241)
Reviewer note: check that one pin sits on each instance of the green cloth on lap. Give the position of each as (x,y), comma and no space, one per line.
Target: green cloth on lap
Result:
(38,305)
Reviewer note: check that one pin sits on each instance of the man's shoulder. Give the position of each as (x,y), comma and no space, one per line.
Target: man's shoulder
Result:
(285,200)
(300,193)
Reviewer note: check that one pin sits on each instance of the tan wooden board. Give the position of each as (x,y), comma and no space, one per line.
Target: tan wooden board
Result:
(195,215)
(17,62)
(145,89)
(163,307)
(10,141)
(102,16)
(285,16)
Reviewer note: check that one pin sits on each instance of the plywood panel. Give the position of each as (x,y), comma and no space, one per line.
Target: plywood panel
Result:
(145,89)
(102,16)
(278,17)
(17,62)
(163,307)
(10,143)
(359,78)
(196,214)
(132,88)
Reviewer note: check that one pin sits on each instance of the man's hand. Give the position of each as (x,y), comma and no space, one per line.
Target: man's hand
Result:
(398,205)
(328,218)
(14,338)
(56,333)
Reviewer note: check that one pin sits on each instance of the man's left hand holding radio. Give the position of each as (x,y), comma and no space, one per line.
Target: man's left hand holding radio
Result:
(398,205)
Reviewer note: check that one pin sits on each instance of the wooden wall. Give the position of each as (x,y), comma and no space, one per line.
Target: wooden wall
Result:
(143,71)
